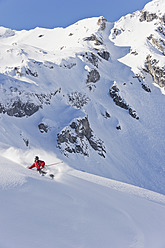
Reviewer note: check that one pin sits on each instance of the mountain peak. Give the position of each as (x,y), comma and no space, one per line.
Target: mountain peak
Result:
(91,92)
(156,6)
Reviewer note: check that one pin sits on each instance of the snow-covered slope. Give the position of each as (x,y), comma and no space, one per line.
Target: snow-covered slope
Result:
(76,209)
(92,94)
(144,32)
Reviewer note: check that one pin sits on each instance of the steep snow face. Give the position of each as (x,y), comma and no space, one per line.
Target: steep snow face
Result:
(144,32)
(83,94)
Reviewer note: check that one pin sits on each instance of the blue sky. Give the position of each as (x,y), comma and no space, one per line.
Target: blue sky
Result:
(28,14)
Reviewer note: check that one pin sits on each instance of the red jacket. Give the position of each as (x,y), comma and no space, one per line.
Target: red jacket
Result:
(39,164)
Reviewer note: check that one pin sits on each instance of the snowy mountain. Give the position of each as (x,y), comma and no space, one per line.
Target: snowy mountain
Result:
(91,95)
(92,92)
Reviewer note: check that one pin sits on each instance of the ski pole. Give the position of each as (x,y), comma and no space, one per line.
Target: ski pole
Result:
(54,164)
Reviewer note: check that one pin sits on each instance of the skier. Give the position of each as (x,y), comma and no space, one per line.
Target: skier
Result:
(39,164)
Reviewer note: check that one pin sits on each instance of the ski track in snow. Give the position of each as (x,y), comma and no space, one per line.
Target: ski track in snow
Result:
(12,175)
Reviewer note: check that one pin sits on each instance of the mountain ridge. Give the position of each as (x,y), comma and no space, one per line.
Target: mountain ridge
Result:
(92,93)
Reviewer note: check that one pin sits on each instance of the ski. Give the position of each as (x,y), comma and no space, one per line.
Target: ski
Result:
(43,173)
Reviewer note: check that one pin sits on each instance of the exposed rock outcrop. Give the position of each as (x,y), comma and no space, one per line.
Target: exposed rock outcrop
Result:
(157,73)
(106,115)
(77,99)
(116,32)
(19,109)
(43,128)
(29,72)
(163,19)
(94,38)
(93,76)
(114,93)
(161,30)
(94,59)
(146,87)
(104,54)
(22,104)
(91,57)
(148,17)
(158,43)
(118,127)
(102,23)
(79,138)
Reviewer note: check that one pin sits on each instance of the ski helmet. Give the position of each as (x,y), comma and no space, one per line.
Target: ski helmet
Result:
(36,158)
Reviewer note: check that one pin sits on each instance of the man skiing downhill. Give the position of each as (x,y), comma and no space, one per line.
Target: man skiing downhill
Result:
(39,164)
